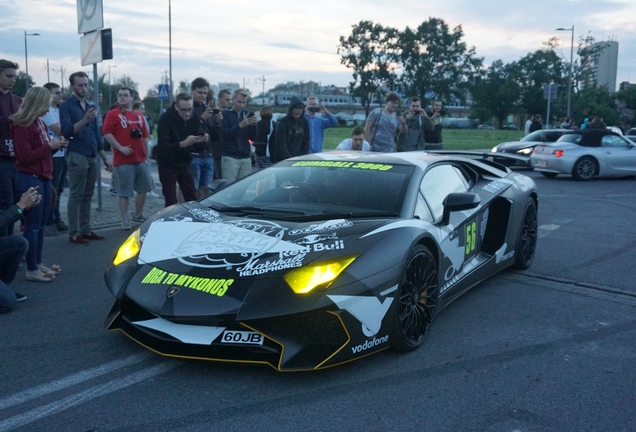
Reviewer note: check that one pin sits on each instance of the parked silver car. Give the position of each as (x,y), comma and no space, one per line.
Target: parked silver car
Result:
(526,145)
(586,154)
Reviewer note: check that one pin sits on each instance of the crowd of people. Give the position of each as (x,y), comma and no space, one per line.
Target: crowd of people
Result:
(535,123)
(48,144)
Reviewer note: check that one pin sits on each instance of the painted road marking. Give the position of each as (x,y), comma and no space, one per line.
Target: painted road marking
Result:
(85,396)
(69,381)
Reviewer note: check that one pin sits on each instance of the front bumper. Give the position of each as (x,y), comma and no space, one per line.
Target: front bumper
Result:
(305,341)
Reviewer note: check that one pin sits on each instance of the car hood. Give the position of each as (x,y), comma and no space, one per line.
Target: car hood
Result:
(217,263)
(513,146)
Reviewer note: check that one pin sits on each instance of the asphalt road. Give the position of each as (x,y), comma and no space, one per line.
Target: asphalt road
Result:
(550,349)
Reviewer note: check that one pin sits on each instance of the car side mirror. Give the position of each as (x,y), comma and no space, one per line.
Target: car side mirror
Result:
(217,185)
(458,202)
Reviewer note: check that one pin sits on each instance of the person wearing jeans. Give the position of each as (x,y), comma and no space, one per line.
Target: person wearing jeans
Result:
(34,167)
(12,249)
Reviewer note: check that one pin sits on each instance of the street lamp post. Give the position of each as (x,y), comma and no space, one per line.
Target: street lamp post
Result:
(571,66)
(170,49)
(26,57)
(110,90)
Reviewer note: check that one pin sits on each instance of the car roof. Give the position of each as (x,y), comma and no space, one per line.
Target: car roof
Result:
(591,137)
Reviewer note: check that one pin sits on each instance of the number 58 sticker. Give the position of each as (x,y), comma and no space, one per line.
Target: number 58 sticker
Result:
(471,236)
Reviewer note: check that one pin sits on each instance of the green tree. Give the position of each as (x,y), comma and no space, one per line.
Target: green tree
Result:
(370,52)
(19,88)
(495,94)
(596,101)
(628,97)
(436,61)
(535,70)
(127,81)
(153,104)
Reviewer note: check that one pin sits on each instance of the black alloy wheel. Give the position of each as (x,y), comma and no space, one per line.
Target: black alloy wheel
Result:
(527,243)
(584,169)
(416,298)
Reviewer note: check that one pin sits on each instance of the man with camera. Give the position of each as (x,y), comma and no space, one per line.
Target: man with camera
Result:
(125,130)
(78,118)
(433,138)
(238,128)
(318,123)
(418,123)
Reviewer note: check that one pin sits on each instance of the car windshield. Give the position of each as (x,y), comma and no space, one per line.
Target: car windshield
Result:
(571,138)
(297,189)
(543,136)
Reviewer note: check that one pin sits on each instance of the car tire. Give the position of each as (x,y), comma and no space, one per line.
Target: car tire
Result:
(416,299)
(549,174)
(527,240)
(585,169)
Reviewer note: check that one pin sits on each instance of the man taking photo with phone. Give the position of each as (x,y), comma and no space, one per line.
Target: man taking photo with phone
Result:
(202,166)
(78,119)
(433,138)
(418,123)
(238,128)
(318,123)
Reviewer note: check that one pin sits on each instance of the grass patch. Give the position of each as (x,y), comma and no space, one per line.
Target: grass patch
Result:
(454,139)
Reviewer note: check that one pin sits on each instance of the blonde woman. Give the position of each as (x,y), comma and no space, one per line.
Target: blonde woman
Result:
(33,148)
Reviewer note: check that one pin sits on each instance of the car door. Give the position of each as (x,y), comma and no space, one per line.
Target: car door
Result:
(461,240)
(619,155)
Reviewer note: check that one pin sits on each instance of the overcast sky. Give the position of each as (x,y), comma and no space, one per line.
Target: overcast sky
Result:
(243,40)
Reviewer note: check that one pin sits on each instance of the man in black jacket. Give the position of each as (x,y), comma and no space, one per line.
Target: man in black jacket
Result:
(13,248)
(178,129)
(292,132)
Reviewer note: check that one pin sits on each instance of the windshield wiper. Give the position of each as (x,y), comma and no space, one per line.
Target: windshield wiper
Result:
(258,210)
(336,215)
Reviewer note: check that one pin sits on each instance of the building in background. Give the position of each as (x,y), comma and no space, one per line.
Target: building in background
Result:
(603,65)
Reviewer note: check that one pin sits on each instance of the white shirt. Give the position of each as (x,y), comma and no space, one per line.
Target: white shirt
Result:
(528,123)
(50,118)
(346,145)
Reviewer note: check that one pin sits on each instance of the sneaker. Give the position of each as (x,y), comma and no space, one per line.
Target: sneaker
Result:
(125,224)
(79,240)
(153,194)
(61,226)
(113,191)
(51,230)
(20,297)
(92,236)
(139,219)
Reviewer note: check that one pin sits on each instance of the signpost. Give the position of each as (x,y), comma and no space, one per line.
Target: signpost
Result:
(90,16)
(95,46)
(163,94)
(549,92)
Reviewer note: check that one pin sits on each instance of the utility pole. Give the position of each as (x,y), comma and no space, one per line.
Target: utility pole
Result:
(61,71)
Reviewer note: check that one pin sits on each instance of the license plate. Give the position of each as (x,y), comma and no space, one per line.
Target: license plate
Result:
(242,337)
(540,163)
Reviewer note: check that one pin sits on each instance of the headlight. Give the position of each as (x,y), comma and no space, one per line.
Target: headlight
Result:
(525,151)
(128,249)
(304,279)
